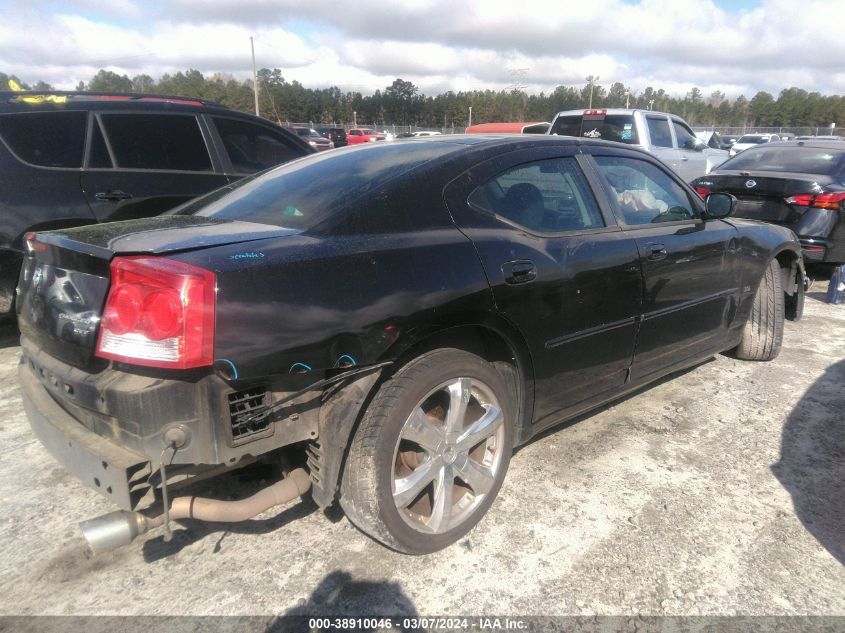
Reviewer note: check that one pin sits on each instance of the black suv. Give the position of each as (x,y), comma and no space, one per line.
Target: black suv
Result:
(336,135)
(69,159)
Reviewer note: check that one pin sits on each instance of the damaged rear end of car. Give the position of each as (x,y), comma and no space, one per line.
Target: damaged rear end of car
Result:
(120,380)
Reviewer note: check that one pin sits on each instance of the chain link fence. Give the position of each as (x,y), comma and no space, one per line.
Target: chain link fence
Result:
(392,129)
(791,131)
(453,129)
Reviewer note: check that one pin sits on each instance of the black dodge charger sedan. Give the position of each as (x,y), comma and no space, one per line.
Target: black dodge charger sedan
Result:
(394,318)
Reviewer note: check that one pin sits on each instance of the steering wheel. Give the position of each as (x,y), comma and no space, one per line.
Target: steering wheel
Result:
(673,214)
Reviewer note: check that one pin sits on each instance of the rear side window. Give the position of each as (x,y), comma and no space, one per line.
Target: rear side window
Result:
(253,147)
(547,196)
(658,130)
(46,139)
(157,141)
(611,127)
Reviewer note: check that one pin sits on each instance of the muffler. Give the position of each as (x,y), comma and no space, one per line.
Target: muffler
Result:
(116,529)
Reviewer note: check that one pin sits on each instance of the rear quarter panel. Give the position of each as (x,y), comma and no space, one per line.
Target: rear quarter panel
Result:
(302,303)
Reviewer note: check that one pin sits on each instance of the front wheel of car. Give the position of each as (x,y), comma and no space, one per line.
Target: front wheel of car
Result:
(763,333)
(430,453)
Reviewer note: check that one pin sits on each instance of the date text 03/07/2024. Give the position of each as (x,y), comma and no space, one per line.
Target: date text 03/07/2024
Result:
(419,623)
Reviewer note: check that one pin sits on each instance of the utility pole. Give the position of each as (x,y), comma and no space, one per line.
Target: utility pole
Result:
(254,76)
(354,119)
(592,80)
(469,124)
(627,99)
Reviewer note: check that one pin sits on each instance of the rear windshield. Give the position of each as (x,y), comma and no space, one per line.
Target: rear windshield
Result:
(612,127)
(305,192)
(786,158)
(753,138)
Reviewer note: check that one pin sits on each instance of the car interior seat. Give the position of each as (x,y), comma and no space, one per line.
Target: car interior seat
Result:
(523,203)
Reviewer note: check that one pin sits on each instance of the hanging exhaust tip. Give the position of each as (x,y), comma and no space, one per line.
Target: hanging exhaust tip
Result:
(120,528)
(113,530)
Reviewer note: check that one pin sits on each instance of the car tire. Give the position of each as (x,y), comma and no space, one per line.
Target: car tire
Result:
(763,333)
(403,482)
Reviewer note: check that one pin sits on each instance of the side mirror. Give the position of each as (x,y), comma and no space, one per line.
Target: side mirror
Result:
(719,205)
(696,144)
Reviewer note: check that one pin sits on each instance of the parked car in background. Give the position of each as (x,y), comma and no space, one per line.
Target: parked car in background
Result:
(82,158)
(313,138)
(664,135)
(397,316)
(356,136)
(336,135)
(515,127)
(796,184)
(728,141)
(422,133)
(750,140)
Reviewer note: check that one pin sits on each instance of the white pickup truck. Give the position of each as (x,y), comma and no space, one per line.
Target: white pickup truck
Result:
(666,136)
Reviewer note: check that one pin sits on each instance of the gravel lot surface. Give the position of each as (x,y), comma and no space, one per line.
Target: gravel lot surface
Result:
(718,491)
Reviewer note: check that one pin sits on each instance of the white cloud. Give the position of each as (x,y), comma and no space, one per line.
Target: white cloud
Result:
(441,44)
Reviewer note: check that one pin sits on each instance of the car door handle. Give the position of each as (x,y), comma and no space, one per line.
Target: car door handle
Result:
(684,157)
(656,252)
(519,272)
(113,195)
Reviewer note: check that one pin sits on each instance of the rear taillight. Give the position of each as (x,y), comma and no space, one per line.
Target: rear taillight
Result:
(159,312)
(820,201)
(702,191)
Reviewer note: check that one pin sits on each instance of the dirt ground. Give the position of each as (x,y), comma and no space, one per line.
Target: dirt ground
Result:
(718,491)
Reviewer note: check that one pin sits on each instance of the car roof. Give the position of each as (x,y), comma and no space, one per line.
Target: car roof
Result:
(820,143)
(52,100)
(519,141)
(615,111)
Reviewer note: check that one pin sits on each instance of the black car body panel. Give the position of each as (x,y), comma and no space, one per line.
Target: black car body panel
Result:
(103,175)
(406,263)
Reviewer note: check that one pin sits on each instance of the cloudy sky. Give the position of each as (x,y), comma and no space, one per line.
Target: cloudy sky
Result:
(736,46)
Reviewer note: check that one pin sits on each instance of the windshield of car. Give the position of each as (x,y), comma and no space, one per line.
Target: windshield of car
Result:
(785,158)
(367,130)
(611,127)
(305,192)
(752,138)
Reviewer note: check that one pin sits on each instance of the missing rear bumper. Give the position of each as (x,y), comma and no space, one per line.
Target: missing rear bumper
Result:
(119,474)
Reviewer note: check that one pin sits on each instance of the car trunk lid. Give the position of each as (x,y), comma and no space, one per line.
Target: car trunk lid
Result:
(65,276)
(763,195)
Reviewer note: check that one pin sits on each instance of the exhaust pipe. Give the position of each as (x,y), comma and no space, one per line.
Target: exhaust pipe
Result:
(120,528)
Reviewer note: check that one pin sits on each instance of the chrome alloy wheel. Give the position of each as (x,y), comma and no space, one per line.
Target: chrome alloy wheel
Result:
(447,456)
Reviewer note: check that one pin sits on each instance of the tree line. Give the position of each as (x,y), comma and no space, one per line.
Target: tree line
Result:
(401,103)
